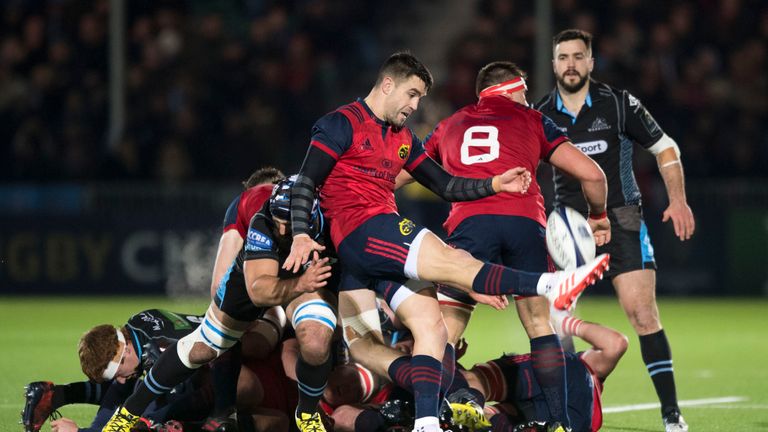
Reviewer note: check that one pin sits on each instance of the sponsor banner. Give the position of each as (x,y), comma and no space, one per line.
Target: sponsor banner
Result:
(86,255)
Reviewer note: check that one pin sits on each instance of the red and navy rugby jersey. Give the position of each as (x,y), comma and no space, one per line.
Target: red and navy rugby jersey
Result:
(369,154)
(486,139)
(244,206)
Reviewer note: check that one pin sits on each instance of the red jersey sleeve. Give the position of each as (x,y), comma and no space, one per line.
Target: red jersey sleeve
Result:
(332,134)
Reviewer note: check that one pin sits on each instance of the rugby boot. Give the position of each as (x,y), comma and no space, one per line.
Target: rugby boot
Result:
(307,422)
(219,424)
(674,422)
(38,405)
(121,421)
(565,286)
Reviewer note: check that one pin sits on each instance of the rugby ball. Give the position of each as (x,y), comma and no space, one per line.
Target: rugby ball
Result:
(569,238)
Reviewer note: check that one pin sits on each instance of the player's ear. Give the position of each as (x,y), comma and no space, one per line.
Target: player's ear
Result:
(387,85)
(591,63)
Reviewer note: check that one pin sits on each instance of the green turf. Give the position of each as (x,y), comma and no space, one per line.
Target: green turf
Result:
(719,348)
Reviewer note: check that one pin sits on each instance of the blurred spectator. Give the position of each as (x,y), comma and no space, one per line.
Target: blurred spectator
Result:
(211,88)
(225,85)
(698,65)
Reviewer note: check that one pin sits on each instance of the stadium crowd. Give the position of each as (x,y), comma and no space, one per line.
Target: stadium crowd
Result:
(697,64)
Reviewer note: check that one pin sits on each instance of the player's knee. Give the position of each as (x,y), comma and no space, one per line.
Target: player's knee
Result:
(314,342)
(209,340)
(430,327)
(201,354)
(457,257)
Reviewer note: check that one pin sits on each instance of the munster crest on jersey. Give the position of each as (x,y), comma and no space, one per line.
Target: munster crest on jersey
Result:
(403,151)
(406,226)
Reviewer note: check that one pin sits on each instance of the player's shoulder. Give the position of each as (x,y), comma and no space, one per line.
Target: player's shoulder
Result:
(600,89)
(338,119)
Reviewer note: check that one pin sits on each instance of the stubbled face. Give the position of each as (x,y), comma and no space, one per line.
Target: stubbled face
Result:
(573,64)
(343,386)
(403,98)
(129,365)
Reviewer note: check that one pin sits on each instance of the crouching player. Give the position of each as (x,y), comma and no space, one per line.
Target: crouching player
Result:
(254,282)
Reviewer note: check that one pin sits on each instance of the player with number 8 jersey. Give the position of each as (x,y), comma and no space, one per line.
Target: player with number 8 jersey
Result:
(482,140)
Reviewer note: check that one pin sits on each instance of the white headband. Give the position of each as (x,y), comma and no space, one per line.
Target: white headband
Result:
(111,369)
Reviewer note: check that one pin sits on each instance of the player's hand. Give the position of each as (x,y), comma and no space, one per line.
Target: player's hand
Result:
(601,229)
(498,302)
(682,219)
(63,425)
(315,276)
(515,180)
(301,247)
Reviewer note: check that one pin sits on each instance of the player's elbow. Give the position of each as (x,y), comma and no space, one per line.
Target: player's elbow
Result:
(616,346)
(593,174)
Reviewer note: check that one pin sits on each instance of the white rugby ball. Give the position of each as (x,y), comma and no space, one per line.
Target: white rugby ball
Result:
(569,238)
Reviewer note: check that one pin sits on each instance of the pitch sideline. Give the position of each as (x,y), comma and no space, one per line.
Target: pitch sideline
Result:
(684,403)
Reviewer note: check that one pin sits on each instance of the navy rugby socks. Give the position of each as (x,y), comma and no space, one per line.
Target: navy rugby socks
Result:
(494,279)
(425,379)
(399,372)
(658,360)
(449,370)
(548,363)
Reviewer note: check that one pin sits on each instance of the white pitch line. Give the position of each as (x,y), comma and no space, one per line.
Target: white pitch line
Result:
(685,403)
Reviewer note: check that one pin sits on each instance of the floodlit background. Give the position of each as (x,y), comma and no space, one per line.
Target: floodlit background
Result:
(127,125)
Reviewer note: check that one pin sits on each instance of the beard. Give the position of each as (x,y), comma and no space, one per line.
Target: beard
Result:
(572,88)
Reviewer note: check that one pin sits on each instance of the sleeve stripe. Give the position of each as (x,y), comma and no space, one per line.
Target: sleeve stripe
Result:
(325,149)
(411,166)
(229,227)
(555,144)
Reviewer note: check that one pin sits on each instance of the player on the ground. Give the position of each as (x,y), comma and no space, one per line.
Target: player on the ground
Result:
(508,379)
(114,359)
(355,155)
(253,282)
(483,139)
(605,123)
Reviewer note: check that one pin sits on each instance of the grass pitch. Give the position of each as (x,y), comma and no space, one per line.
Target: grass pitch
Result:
(719,349)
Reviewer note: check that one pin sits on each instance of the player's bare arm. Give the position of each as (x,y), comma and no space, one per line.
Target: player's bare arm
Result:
(265,288)
(230,244)
(671,169)
(569,159)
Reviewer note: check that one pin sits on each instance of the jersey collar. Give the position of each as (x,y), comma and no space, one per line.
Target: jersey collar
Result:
(561,107)
(361,101)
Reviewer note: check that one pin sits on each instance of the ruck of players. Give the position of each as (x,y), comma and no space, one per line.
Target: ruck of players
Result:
(332,311)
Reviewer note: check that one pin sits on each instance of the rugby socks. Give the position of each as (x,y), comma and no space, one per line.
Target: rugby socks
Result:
(370,420)
(494,279)
(167,372)
(87,392)
(312,380)
(549,368)
(449,369)
(225,371)
(658,360)
(425,379)
(399,372)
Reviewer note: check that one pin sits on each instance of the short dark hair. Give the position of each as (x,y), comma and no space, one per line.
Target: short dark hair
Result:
(572,34)
(266,175)
(402,65)
(496,73)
